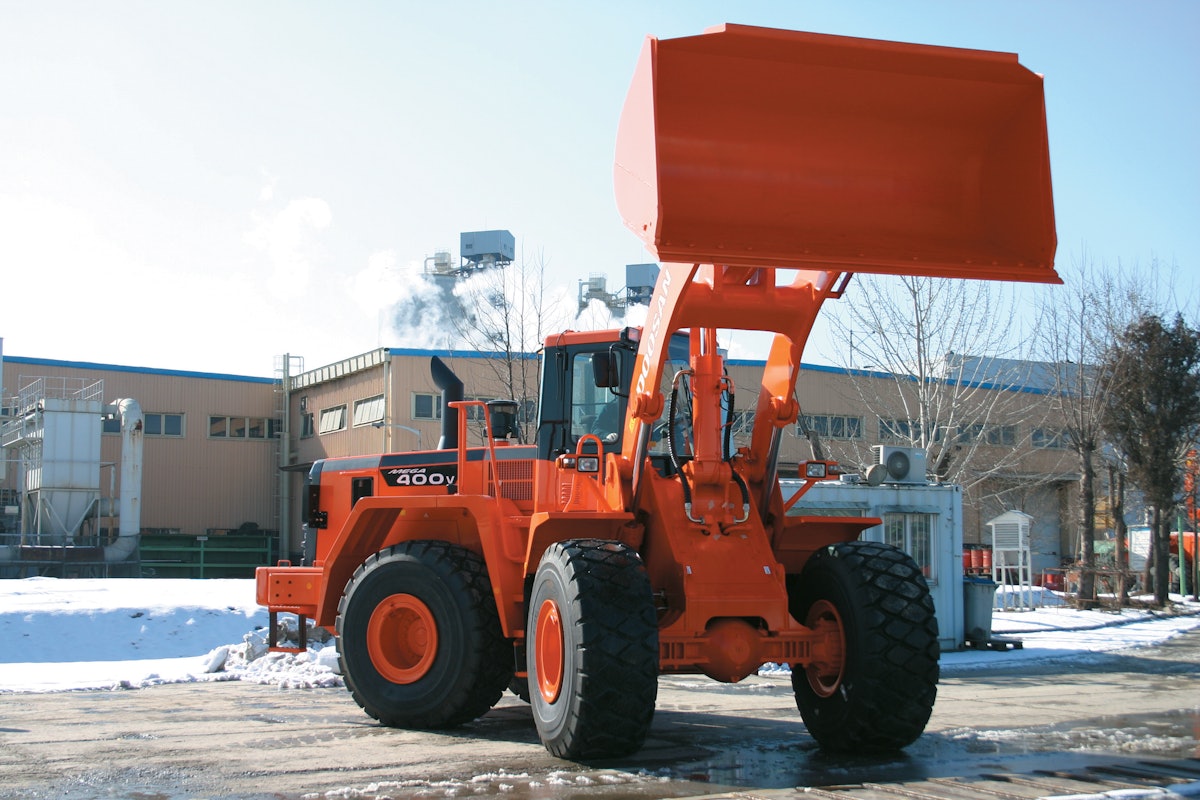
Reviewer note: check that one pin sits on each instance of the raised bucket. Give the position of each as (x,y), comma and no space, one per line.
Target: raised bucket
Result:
(749,146)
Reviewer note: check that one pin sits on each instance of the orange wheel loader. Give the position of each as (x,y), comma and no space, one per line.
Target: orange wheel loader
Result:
(762,168)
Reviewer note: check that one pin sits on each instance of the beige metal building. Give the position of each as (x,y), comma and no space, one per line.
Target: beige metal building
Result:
(228,453)
(210,455)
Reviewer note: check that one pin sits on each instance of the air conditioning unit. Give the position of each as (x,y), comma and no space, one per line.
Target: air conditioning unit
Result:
(903,464)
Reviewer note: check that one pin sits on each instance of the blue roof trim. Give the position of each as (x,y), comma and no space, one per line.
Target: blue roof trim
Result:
(755,362)
(406,351)
(870,373)
(175,373)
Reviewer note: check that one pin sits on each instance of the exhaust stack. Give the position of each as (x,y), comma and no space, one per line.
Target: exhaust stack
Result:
(452,390)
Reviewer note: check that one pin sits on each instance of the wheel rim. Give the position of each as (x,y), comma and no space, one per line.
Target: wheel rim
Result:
(826,670)
(549,651)
(402,638)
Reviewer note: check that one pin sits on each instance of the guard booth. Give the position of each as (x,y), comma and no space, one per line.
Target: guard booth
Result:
(923,520)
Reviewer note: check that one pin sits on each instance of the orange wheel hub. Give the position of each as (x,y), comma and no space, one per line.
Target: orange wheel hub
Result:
(548,651)
(828,666)
(402,638)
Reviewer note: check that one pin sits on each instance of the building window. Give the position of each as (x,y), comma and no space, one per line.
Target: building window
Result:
(258,428)
(833,426)
(306,426)
(912,533)
(999,435)
(368,411)
(476,413)
(905,431)
(1055,438)
(1002,435)
(529,411)
(332,419)
(899,430)
(153,424)
(426,405)
(163,424)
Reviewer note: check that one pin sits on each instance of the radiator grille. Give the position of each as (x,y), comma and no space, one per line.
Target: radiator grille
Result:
(516,479)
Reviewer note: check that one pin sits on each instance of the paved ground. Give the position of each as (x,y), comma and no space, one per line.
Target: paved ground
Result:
(245,740)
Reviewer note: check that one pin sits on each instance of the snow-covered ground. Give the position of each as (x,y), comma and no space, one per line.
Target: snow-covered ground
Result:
(63,635)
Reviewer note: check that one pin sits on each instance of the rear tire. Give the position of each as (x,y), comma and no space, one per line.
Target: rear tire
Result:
(880,696)
(592,650)
(419,639)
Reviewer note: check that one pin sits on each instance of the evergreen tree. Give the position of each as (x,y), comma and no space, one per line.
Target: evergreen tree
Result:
(1152,416)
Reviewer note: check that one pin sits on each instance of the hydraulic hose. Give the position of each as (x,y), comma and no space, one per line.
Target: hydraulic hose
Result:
(672,450)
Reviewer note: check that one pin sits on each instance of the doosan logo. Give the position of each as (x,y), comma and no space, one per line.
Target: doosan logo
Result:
(652,336)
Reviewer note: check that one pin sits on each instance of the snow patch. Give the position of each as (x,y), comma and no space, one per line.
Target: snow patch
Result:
(127,633)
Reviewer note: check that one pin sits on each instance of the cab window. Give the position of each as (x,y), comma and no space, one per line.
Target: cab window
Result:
(594,409)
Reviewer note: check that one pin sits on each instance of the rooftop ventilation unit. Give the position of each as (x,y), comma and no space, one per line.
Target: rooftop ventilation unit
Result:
(484,249)
(903,464)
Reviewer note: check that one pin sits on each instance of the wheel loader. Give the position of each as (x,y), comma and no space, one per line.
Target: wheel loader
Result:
(630,539)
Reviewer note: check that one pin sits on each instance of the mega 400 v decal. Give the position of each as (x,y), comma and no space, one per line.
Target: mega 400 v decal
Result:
(429,475)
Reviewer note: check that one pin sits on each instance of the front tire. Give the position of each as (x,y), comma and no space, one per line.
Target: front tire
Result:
(878,696)
(419,639)
(592,652)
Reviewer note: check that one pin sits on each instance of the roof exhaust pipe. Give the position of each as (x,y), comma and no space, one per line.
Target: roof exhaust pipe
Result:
(452,391)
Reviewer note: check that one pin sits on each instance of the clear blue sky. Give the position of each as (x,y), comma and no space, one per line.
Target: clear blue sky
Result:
(206,185)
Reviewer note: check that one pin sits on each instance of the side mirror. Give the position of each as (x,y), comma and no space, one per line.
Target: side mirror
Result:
(606,371)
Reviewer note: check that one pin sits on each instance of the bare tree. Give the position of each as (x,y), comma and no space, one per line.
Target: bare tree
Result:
(505,315)
(1076,326)
(1116,502)
(948,347)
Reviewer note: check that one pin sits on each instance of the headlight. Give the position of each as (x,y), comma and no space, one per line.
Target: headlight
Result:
(815,469)
(589,464)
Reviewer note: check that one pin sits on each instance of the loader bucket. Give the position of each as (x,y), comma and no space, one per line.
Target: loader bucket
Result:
(751,146)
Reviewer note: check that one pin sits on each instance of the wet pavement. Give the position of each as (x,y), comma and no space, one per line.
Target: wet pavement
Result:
(242,740)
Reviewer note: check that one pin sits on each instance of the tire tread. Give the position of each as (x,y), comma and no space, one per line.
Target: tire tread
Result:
(464,571)
(894,682)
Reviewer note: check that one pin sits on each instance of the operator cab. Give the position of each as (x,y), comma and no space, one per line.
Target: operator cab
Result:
(585,380)
(585,390)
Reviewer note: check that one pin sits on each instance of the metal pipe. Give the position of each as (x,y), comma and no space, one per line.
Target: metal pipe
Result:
(130,504)
(284,534)
(452,391)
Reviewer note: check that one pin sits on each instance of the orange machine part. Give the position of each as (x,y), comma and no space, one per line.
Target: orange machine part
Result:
(402,638)
(750,146)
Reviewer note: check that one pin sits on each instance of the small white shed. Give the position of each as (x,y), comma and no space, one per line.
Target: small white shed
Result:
(1012,561)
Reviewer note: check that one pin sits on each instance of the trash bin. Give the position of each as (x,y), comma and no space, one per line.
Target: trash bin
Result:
(979,598)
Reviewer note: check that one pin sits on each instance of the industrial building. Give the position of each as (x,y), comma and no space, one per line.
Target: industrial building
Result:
(210,451)
(225,456)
